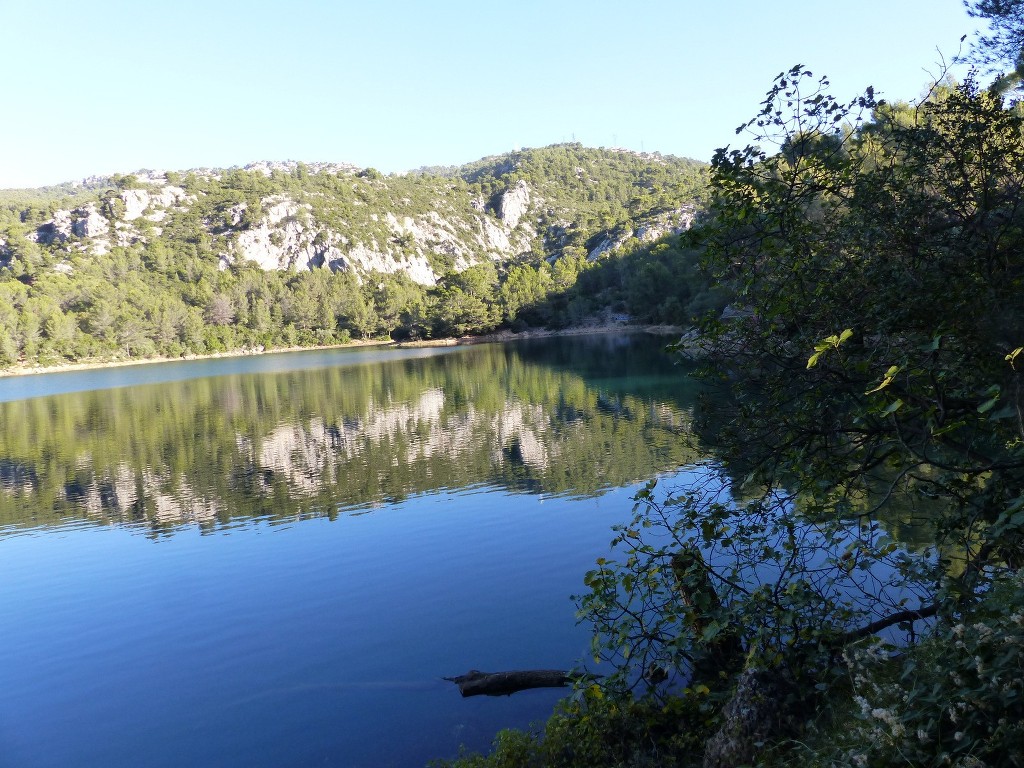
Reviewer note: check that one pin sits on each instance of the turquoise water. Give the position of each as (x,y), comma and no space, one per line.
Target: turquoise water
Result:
(21,387)
(273,561)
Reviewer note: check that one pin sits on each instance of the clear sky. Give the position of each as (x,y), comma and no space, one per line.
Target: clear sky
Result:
(117,85)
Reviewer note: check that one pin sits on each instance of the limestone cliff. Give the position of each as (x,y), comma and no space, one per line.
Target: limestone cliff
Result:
(284,231)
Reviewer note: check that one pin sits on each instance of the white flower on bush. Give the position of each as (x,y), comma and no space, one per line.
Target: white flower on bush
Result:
(889,717)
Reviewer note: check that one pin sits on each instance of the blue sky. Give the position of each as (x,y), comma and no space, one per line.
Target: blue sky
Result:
(118,85)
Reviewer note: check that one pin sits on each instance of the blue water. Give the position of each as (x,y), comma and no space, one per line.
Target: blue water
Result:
(316,643)
(316,629)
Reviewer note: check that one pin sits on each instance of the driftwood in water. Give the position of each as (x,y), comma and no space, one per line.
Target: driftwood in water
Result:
(477,683)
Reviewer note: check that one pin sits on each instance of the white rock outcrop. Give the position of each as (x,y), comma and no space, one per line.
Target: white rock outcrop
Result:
(90,223)
(58,229)
(671,223)
(366,259)
(513,204)
(662,225)
(280,240)
(372,230)
(137,201)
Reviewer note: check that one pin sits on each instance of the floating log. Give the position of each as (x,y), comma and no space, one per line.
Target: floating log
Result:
(477,683)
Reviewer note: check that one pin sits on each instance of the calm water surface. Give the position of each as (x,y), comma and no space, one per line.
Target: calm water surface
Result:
(273,561)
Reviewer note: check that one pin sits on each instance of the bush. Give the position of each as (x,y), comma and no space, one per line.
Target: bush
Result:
(955,699)
(593,728)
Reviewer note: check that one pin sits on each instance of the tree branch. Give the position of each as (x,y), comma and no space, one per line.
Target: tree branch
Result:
(925,612)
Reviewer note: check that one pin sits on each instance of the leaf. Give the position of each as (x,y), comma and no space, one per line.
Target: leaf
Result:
(993,392)
(886,380)
(949,428)
(892,407)
(987,405)
(830,342)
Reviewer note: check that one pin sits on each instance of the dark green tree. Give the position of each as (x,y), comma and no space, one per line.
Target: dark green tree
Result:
(873,354)
(1003,45)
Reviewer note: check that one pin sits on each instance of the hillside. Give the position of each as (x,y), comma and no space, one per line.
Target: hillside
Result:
(278,254)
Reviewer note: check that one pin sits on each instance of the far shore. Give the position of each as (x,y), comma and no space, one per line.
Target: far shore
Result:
(500,336)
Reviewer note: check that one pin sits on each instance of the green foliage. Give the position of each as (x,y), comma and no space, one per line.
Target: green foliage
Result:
(35,205)
(593,729)
(465,302)
(522,287)
(704,584)
(875,254)
(957,698)
(602,188)
(1004,43)
(661,283)
(907,236)
(129,181)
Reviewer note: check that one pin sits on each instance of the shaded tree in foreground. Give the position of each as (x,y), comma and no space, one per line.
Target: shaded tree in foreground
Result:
(877,254)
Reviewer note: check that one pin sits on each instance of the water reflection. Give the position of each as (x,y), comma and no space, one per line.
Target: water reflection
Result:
(490,477)
(567,417)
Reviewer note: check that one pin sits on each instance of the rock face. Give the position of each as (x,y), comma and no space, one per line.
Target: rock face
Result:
(671,223)
(286,235)
(662,225)
(85,222)
(279,217)
(96,230)
(278,241)
(136,201)
(91,224)
(513,204)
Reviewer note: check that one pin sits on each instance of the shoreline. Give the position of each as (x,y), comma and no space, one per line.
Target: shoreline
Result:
(499,336)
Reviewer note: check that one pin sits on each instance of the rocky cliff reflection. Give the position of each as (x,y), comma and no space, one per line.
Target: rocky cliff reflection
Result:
(573,416)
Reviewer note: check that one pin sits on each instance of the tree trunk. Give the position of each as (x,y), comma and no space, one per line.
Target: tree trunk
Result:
(725,651)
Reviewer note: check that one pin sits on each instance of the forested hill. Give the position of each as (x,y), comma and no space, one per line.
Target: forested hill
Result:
(279,254)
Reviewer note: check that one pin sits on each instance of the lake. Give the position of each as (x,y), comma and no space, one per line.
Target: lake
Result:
(273,560)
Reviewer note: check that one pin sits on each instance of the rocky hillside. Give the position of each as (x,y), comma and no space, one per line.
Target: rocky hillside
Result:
(292,215)
(170,232)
